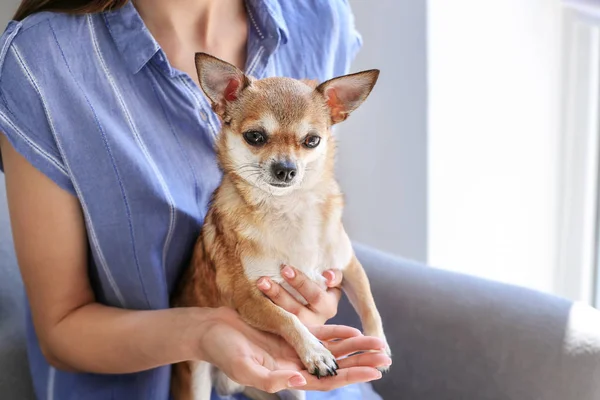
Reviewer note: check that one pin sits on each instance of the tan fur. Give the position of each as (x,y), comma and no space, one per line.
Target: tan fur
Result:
(252,228)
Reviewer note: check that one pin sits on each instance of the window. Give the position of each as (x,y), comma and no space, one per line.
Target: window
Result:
(578,246)
(513,142)
(494,95)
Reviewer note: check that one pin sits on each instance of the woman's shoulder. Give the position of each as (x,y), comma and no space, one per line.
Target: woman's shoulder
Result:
(319,8)
(41,29)
(332,16)
(323,31)
(33,80)
(37,40)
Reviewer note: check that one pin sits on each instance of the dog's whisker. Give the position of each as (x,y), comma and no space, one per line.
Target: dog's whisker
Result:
(243,169)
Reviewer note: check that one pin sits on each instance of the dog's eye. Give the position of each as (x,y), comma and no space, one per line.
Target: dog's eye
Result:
(311,141)
(255,138)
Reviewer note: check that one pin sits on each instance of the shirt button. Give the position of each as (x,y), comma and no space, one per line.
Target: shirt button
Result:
(203,115)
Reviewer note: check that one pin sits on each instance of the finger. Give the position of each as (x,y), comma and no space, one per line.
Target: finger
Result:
(352,345)
(279,296)
(336,294)
(333,277)
(373,360)
(305,286)
(331,332)
(270,381)
(345,377)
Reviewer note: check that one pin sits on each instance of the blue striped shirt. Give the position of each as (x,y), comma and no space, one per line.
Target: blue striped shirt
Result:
(93,103)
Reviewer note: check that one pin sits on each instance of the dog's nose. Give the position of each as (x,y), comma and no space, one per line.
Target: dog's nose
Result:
(284,171)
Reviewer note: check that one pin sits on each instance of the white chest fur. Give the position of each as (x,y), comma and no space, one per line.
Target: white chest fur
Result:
(300,236)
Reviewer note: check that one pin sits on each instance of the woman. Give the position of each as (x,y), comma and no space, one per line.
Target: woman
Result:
(107,150)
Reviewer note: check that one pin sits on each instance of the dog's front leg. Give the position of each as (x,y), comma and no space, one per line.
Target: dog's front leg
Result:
(259,312)
(191,380)
(357,288)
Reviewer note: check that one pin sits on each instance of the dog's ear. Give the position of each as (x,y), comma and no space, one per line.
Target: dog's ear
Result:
(221,82)
(345,93)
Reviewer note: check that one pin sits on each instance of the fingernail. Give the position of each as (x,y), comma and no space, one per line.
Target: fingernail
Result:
(288,272)
(264,284)
(379,374)
(296,381)
(329,275)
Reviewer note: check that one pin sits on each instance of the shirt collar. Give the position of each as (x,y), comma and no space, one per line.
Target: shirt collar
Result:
(137,45)
(267,18)
(133,40)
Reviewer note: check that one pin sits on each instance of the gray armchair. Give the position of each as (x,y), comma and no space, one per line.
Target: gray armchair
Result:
(454,337)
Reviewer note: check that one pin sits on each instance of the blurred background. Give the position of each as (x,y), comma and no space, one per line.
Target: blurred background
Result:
(478,149)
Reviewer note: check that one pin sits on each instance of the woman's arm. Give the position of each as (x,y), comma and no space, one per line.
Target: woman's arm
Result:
(74,331)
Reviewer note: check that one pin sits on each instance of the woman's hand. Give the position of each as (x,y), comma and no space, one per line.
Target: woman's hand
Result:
(322,304)
(266,362)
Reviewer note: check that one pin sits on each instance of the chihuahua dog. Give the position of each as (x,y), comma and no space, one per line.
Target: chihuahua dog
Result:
(278,204)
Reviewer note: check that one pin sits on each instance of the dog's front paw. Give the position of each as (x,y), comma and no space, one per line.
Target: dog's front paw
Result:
(387,352)
(378,333)
(320,362)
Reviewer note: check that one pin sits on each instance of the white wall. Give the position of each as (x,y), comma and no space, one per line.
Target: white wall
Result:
(494,93)
(383,149)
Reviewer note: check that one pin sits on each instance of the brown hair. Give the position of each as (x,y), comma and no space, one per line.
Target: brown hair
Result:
(29,7)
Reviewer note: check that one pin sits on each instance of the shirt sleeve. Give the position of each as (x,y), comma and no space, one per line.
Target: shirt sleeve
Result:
(349,40)
(23,118)
(355,40)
